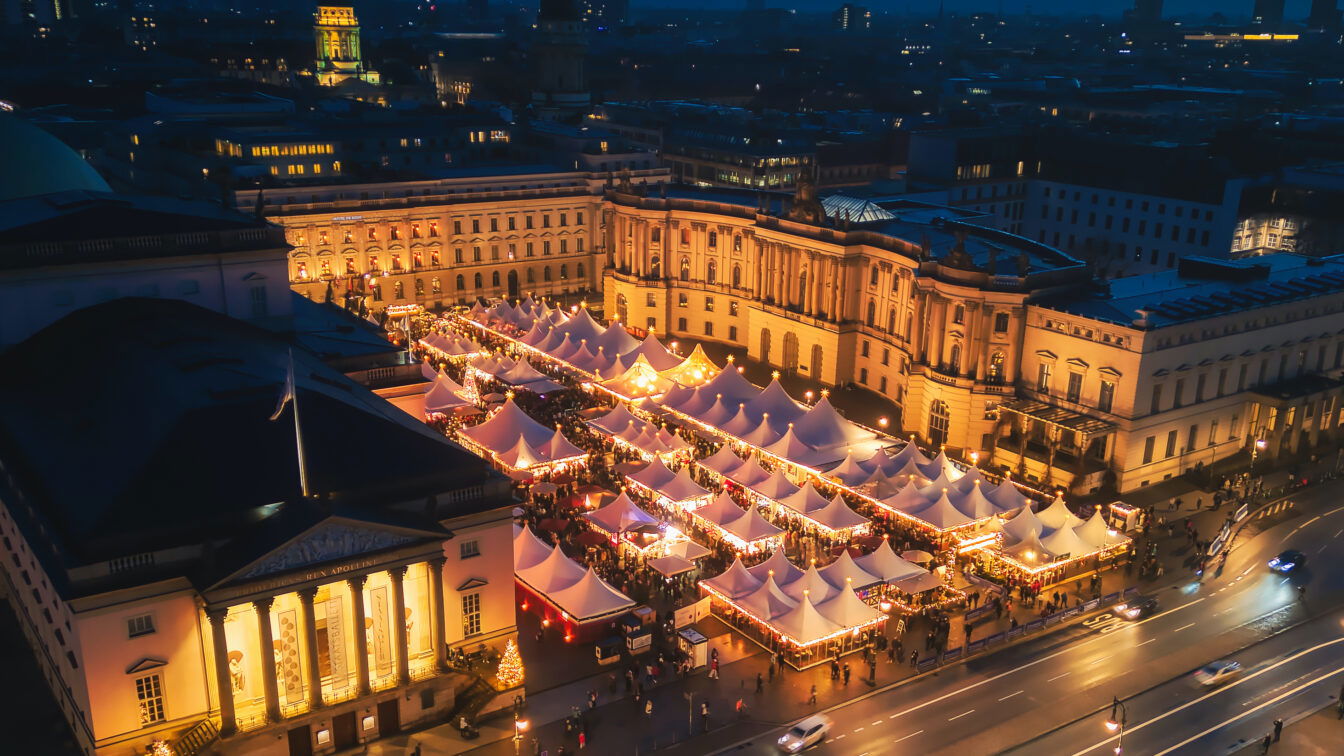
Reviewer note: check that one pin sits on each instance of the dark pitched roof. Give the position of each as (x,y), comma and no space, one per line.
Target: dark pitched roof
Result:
(141,424)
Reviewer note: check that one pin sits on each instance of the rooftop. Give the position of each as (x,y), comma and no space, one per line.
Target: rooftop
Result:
(1204,288)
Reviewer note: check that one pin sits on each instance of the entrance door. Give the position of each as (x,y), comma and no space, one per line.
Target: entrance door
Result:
(816,362)
(389,723)
(790,352)
(513,284)
(343,730)
(301,741)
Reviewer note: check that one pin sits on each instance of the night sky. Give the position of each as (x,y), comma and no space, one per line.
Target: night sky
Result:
(1295,9)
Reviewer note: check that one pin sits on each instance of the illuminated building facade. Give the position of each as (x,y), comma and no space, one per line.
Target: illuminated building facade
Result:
(338,59)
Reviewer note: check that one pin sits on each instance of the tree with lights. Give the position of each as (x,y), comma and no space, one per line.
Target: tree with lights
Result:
(510,670)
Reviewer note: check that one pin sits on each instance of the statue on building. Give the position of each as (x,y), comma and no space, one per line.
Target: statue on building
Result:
(806,208)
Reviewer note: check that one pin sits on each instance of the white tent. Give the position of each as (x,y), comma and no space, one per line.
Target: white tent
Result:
(886,564)
(653,352)
(682,489)
(503,429)
(822,426)
(653,476)
(776,487)
(1025,525)
(848,610)
(1058,515)
(850,471)
(528,549)
(521,456)
(616,341)
(620,516)
(554,573)
(837,516)
(734,582)
(443,395)
(792,448)
(845,573)
(804,624)
(1097,534)
(810,583)
(721,511)
(590,598)
(942,515)
(974,504)
(804,500)
(560,448)
(751,527)
(1007,496)
(907,499)
(775,402)
(1064,542)
(778,565)
(748,473)
(767,602)
(722,461)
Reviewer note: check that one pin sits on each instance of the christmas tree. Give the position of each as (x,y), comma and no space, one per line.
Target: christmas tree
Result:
(510,671)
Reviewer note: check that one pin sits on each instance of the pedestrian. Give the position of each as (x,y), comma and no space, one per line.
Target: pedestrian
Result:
(704,712)
(714,670)
(835,669)
(914,658)
(891,653)
(1278,729)
(760,682)
(846,673)
(648,708)
(1264,744)
(583,740)
(812,699)
(772,670)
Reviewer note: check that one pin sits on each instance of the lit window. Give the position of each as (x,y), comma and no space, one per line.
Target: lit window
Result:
(149,694)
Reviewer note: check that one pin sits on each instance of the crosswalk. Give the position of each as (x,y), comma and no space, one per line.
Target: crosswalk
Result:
(1275,509)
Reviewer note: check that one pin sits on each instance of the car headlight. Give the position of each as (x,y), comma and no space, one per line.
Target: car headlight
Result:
(1274,562)
(1132,613)
(784,739)
(796,745)
(1121,607)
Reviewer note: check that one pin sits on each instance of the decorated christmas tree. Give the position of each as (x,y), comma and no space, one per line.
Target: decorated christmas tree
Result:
(510,670)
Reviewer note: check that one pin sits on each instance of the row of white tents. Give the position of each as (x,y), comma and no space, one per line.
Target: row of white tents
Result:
(575,591)
(511,437)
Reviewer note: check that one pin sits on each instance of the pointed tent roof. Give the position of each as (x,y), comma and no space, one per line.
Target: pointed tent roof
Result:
(768,601)
(653,475)
(1031,544)
(810,583)
(639,380)
(652,350)
(649,440)
(739,423)
(776,402)
(779,565)
(1024,525)
(837,515)
(695,370)
(847,576)
(521,372)
(850,471)
(584,359)
(748,473)
(552,342)
(974,504)
(632,431)
(791,447)
(722,510)
(616,341)
(721,461)
(590,598)
(942,515)
(752,527)
(567,348)
(936,486)
(528,549)
(887,564)
(941,466)
(459,346)
(521,456)
(427,370)
(908,472)
(1096,533)
(1065,542)
(762,435)
(536,333)
(804,500)
(822,426)
(616,420)
(682,487)
(776,487)
(442,395)
(908,499)
(1058,515)
(620,516)
(559,447)
(582,326)
(716,413)
(805,624)
(908,452)
(677,395)
(848,610)
(554,573)
(1007,496)
(968,480)
(503,429)
(734,582)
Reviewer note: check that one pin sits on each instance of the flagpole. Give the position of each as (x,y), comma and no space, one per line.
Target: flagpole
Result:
(298,430)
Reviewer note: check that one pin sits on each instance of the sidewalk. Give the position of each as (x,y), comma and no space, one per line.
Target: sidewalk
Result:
(1320,733)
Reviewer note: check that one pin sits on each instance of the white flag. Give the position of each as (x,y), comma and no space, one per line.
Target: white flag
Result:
(288,396)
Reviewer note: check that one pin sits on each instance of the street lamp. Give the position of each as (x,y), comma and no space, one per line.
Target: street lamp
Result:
(1260,445)
(519,727)
(808,396)
(1113,724)
(882,423)
(975,459)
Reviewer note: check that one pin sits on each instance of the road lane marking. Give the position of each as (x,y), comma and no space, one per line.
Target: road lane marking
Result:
(959,716)
(842,737)
(874,724)
(859,729)
(907,737)
(1010,695)
(1183,627)
(1150,640)
(1099,661)
(893,716)
(1270,702)
(1056,677)
(1211,694)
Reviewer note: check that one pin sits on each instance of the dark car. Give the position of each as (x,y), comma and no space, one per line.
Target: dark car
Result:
(1288,561)
(1136,608)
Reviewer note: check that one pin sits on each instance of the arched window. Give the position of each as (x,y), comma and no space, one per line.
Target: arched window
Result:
(461,283)
(399,290)
(325,266)
(737,244)
(377,293)
(891,320)
(872,276)
(995,374)
(872,314)
(435,285)
(939,421)
(737,276)
(579,271)
(954,359)
(435,259)
(494,279)
(302,273)
(656,266)
(622,308)
(477,281)
(712,270)
(564,272)
(656,235)
(685,269)
(546,273)
(419,287)
(531,276)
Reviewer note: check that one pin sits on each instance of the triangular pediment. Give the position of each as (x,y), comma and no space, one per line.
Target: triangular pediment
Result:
(473,583)
(146,664)
(331,540)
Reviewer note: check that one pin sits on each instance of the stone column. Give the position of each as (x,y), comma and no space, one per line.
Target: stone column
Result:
(228,721)
(781,265)
(398,575)
(970,356)
(268,671)
(917,340)
(986,325)
(833,309)
(1013,362)
(356,585)
(439,620)
(306,597)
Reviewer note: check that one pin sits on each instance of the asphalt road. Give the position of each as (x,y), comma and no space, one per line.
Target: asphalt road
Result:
(1011,698)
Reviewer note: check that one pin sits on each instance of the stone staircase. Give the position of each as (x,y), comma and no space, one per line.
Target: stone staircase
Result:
(194,740)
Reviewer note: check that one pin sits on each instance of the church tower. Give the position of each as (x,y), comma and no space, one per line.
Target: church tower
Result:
(336,31)
(559,53)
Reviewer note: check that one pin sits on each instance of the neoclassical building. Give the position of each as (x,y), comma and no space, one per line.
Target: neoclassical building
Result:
(206,585)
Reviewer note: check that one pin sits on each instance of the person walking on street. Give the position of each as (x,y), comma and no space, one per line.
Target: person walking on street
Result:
(914,658)
(648,708)
(846,673)
(1278,729)
(704,713)
(812,699)
(1264,744)
(760,682)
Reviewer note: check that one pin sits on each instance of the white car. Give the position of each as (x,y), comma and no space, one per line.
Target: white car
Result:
(805,734)
(1217,673)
